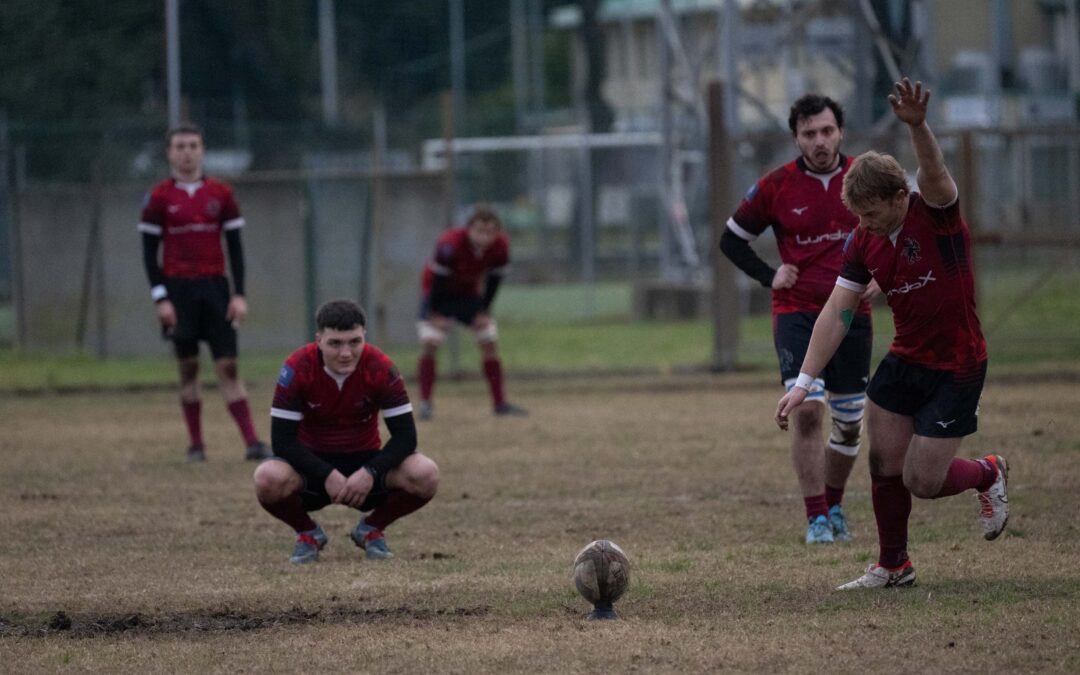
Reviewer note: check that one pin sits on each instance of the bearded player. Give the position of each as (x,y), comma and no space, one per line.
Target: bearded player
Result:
(325,431)
(800,201)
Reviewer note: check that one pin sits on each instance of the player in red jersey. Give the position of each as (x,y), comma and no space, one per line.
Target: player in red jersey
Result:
(186,215)
(459,283)
(325,432)
(801,202)
(924,396)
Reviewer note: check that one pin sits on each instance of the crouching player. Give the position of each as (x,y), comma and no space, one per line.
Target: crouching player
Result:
(325,430)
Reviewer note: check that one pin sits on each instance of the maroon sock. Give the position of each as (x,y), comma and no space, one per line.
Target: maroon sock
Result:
(833,495)
(990,475)
(816,506)
(398,503)
(193,419)
(892,506)
(963,474)
(242,414)
(426,373)
(494,375)
(291,511)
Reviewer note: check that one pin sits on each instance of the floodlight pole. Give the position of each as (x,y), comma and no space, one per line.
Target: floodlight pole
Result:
(172,59)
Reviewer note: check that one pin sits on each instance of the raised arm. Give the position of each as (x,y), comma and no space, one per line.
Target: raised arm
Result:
(909,105)
(829,330)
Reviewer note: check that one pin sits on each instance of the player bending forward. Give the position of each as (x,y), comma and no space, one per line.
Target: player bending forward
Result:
(924,395)
(459,284)
(325,431)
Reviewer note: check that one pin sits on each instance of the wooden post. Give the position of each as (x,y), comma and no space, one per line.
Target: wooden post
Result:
(725,292)
(446,102)
(968,179)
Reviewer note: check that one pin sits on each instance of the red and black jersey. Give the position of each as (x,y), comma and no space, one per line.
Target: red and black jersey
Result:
(339,415)
(810,223)
(190,219)
(925,271)
(463,268)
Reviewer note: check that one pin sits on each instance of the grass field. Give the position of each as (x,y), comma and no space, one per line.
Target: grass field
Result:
(160,566)
(1031,318)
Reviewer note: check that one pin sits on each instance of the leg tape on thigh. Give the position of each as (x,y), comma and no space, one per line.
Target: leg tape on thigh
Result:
(847,417)
(429,333)
(817,388)
(488,334)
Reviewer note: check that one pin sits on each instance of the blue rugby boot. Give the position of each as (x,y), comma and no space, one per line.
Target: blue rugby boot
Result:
(819,531)
(371,539)
(840,530)
(308,545)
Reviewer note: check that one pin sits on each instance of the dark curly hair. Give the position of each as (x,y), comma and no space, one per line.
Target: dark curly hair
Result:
(340,315)
(810,105)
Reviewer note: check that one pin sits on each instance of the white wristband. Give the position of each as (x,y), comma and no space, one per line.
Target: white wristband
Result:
(804,381)
(158,293)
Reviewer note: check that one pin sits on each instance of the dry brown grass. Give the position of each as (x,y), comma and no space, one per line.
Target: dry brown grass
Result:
(166,567)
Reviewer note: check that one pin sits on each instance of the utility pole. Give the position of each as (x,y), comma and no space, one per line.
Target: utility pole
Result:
(328,62)
(172,59)
(457,61)
(519,53)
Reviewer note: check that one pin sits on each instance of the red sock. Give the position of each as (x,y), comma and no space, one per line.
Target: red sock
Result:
(963,474)
(892,506)
(833,495)
(291,511)
(193,419)
(398,503)
(493,373)
(242,414)
(426,373)
(815,506)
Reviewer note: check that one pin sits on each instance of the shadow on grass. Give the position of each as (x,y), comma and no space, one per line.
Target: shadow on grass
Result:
(223,621)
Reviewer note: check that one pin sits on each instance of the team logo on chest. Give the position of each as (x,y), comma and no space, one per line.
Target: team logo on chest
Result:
(213,208)
(912,250)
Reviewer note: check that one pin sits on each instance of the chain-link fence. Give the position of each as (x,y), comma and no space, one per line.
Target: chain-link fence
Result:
(581,210)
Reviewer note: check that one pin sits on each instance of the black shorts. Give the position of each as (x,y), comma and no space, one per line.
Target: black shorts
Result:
(314,492)
(462,308)
(201,305)
(942,404)
(846,372)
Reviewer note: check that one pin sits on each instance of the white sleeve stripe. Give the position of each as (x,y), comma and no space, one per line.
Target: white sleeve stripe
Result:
(400,410)
(439,269)
(742,234)
(149,228)
(850,285)
(234,224)
(286,414)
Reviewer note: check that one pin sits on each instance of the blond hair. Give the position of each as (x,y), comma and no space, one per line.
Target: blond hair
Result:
(872,177)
